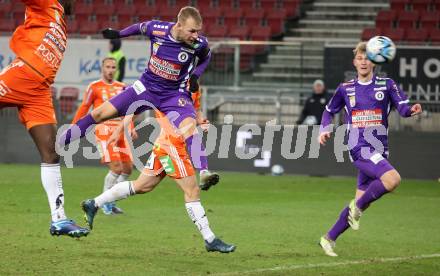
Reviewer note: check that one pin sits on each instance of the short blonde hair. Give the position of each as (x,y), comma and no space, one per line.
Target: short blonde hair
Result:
(361,47)
(187,12)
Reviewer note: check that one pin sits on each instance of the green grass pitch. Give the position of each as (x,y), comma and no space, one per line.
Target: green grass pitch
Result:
(274,221)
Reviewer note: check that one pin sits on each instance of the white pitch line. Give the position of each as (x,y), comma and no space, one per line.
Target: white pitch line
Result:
(305,266)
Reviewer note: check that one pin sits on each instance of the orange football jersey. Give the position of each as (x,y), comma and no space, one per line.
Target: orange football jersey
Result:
(96,94)
(42,39)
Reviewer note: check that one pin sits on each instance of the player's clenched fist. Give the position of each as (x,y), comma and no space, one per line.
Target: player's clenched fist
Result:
(109,33)
(416,109)
(323,137)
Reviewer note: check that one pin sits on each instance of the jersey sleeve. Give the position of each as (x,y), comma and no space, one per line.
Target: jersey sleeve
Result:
(335,104)
(399,99)
(204,54)
(83,109)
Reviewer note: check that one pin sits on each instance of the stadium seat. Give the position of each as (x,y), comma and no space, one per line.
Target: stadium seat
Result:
(216,31)
(146,12)
(125,10)
(110,22)
(90,27)
(434,36)
(268,4)
(408,19)
(5,7)
(421,5)
(168,13)
(232,17)
(212,12)
(429,20)
(239,32)
(18,10)
(276,19)
(416,35)
(103,11)
(7,25)
(260,33)
(67,99)
(385,18)
(247,4)
(72,25)
(83,10)
(254,17)
(400,5)
(396,34)
(368,33)
(291,7)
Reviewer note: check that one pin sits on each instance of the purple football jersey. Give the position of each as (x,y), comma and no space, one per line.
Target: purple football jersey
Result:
(367,106)
(171,62)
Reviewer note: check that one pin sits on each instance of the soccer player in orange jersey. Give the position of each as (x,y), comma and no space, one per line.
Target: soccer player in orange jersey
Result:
(39,44)
(116,155)
(169,157)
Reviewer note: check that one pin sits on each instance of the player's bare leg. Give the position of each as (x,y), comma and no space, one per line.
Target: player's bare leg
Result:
(197,153)
(144,184)
(44,139)
(197,214)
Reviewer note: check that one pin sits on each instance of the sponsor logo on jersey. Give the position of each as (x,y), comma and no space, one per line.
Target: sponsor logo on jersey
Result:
(167,164)
(350,89)
(164,69)
(139,87)
(347,83)
(183,56)
(4,89)
(366,118)
(187,50)
(380,88)
(379,95)
(380,82)
(158,33)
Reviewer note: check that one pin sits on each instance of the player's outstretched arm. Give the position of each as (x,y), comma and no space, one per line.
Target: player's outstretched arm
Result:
(135,29)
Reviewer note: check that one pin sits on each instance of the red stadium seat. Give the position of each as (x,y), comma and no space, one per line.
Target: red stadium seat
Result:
(124,9)
(103,11)
(89,27)
(260,33)
(416,35)
(5,7)
(7,25)
(368,33)
(72,25)
(400,5)
(254,17)
(291,7)
(239,32)
(216,31)
(408,19)
(168,13)
(247,4)
(434,36)
(396,34)
(146,12)
(110,23)
(232,17)
(421,5)
(385,18)
(276,20)
(268,4)
(211,12)
(429,20)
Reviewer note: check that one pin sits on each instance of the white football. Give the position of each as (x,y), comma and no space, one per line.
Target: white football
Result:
(381,49)
(277,170)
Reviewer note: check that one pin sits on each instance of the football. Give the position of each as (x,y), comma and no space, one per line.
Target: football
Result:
(381,49)
(277,170)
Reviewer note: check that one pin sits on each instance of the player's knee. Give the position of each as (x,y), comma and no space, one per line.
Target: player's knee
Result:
(50,157)
(391,180)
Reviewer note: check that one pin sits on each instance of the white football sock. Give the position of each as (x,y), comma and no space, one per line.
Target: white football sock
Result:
(122,177)
(119,191)
(110,180)
(53,185)
(198,216)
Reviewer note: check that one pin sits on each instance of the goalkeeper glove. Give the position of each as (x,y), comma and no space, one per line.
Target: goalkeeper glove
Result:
(109,33)
(193,84)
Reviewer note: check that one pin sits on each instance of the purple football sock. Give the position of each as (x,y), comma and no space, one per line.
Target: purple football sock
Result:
(340,226)
(77,130)
(196,150)
(375,190)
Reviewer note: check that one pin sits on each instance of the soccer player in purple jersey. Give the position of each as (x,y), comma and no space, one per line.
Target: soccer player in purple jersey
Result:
(170,77)
(166,85)
(367,101)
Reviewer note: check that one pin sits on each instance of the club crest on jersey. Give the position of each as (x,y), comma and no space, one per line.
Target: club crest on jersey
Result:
(352,99)
(181,102)
(183,56)
(379,95)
